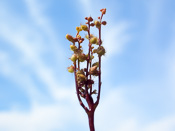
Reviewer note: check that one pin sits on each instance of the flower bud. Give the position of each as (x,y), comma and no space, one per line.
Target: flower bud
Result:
(84,27)
(78,29)
(90,19)
(69,37)
(80,72)
(82,57)
(78,36)
(101,50)
(93,71)
(94,51)
(92,24)
(103,11)
(71,69)
(104,22)
(96,64)
(73,47)
(97,24)
(73,57)
(87,36)
(81,78)
(93,40)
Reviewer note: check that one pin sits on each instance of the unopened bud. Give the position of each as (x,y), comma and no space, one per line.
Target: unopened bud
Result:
(73,57)
(93,40)
(87,36)
(86,18)
(78,29)
(81,77)
(93,70)
(90,19)
(84,27)
(103,11)
(73,47)
(70,69)
(104,22)
(101,50)
(80,72)
(78,36)
(92,24)
(80,41)
(94,51)
(82,57)
(69,37)
(97,24)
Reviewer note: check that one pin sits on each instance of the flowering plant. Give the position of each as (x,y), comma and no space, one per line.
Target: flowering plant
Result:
(84,77)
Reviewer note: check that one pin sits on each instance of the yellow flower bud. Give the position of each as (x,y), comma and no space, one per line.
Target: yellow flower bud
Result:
(78,36)
(73,57)
(71,69)
(73,47)
(69,37)
(97,24)
(78,29)
(93,40)
(84,27)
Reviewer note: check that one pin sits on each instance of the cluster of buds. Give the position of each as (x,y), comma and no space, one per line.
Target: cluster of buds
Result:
(84,76)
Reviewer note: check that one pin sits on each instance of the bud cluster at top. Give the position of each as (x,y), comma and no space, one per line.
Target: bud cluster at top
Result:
(83,75)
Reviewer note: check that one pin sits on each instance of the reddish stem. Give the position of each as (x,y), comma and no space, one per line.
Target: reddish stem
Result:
(91,121)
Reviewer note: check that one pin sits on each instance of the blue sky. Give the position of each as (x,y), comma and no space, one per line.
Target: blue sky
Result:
(37,92)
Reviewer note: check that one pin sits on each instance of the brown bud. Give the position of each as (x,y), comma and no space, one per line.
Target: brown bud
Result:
(101,50)
(92,24)
(86,18)
(104,22)
(90,19)
(99,17)
(69,37)
(103,11)
(75,39)
(93,70)
(82,57)
(81,77)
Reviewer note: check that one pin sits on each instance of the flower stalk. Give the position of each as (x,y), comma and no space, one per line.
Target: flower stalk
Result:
(84,77)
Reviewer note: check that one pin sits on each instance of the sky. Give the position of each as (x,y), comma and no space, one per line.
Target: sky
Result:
(138,70)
